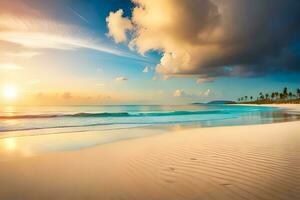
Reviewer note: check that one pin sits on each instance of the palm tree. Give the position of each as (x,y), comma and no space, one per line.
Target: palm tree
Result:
(285,92)
(290,95)
(298,92)
(246,97)
(281,95)
(273,95)
(267,96)
(276,95)
(251,98)
(261,96)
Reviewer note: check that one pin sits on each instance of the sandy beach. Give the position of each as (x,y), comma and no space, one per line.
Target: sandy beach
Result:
(149,100)
(239,162)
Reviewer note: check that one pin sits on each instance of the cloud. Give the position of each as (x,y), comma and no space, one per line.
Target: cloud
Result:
(203,37)
(118,26)
(205,80)
(121,78)
(79,15)
(179,93)
(44,34)
(9,66)
(183,94)
(23,54)
(146,69)
(166,77)
(28,28)
(66,95)
(206,93)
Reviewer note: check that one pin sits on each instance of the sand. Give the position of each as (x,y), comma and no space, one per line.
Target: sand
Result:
(239,162)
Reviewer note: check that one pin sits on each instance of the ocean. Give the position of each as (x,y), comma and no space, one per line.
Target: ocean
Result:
(29,131)
(59,118)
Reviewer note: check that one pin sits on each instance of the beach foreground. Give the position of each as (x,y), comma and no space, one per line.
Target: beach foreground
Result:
(241,162)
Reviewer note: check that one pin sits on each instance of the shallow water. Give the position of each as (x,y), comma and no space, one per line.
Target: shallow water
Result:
(29,131)
(116,117)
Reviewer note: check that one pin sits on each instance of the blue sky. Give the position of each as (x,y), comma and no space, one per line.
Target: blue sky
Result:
(80,67)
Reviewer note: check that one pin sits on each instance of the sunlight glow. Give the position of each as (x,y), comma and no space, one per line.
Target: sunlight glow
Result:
(10,144)
(10,92)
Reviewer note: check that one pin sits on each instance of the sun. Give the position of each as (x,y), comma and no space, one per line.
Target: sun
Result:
(10,92)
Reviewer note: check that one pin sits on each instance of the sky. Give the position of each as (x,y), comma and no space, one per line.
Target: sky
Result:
(81,52)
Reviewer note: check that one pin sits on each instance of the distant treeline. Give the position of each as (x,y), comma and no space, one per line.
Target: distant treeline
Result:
(285,96)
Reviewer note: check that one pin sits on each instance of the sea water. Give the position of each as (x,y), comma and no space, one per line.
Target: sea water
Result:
(127,116)
(29,131)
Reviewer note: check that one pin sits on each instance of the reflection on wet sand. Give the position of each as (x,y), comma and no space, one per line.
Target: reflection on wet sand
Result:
(24,146)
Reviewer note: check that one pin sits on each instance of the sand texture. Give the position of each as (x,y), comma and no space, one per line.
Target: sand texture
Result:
(240,162)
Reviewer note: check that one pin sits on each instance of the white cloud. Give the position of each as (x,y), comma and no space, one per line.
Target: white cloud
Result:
(24,54)
(184,94)
(166,77)
(29,29)
(179,93)
(205,80)
(121,78)
(207,92)
(146,69)
(10,66)
(118,26)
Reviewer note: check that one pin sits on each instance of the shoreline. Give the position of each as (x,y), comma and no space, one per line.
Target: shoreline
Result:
(294,107)
(231,162)
(19,144)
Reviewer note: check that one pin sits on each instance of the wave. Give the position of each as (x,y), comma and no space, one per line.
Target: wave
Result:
(71,126)
(130,124)
(113,120)
(118,114)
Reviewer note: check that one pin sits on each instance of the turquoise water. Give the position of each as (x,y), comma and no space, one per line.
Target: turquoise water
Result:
(30,131)
(127,116)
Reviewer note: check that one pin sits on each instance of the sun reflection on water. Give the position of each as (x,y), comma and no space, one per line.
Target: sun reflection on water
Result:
(9,110)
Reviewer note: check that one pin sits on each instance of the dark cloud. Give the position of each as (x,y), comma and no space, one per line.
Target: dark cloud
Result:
(203,37)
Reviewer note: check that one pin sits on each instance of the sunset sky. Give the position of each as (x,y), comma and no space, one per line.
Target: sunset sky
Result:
(146,52)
